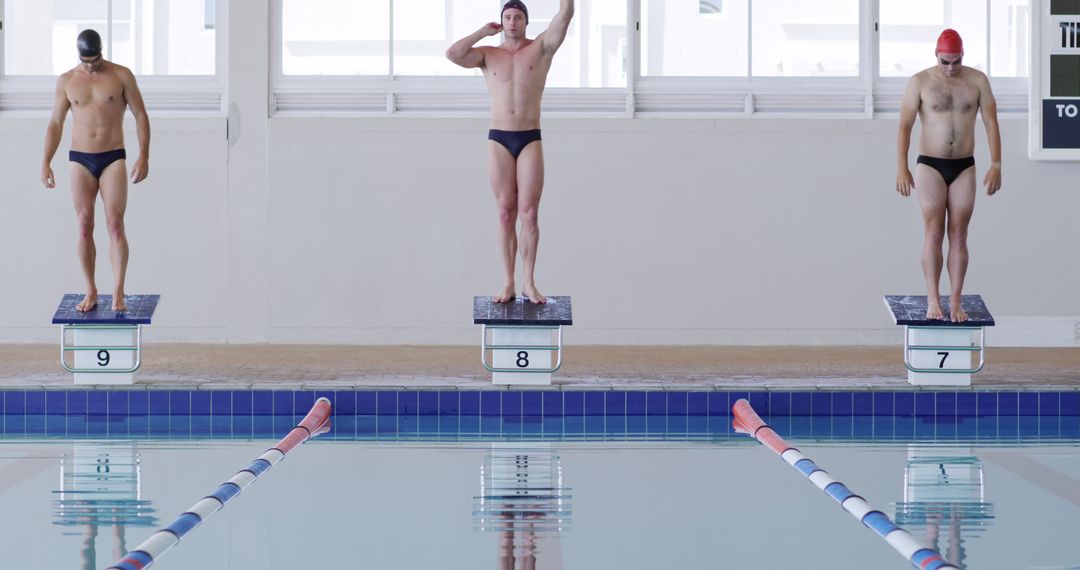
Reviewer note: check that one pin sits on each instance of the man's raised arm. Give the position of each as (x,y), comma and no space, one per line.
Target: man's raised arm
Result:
(464,54)
(553,37)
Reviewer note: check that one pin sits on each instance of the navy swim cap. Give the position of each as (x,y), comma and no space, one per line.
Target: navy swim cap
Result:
(516,4)
(89,44)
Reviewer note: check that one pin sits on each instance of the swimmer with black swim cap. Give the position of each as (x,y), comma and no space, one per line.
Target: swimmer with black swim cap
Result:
(517,5)
(98,92)
(516,71)
(89,43)
(947,98)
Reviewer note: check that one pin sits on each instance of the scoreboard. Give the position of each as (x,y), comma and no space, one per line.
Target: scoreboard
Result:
(1054,93)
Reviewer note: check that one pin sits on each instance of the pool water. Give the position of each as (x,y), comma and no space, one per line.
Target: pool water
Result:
(676,502)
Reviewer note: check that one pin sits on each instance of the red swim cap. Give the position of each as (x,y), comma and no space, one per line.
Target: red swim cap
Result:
(949,42)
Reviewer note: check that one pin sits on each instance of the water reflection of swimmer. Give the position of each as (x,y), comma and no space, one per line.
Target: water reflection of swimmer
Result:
(101,487)
(945,496)
(88,553)
(523,499)
(517,548)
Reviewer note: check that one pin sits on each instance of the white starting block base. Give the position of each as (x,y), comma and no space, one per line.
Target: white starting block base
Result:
(523,358)
(944,359)
(109,366)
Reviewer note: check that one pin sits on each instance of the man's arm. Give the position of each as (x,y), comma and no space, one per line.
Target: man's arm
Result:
(553,37)
(54,130)
(464,54)
(142,125)
(909,110)
(988,108)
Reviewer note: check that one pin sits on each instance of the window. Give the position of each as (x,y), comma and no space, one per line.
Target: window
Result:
(909,31)
(686,38)
(349,38)
(796,38)
(679,58)
(423,29)
(335,37)
(1010,38)
(594,52)
(39,37)
(151,37)
(162,37)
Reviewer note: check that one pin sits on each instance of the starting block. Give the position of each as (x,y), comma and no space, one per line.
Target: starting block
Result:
(938,352)
(524,338)
(106,346)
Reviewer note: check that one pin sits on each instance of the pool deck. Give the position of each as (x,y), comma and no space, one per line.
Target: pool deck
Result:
(198,366)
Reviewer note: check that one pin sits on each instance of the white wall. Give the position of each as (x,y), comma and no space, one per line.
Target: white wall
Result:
(664,231)
(176,226)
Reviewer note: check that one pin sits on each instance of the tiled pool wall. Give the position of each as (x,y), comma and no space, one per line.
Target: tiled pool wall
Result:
(937,415)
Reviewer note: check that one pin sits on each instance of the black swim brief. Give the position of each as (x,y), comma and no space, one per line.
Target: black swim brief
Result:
(96,162)
(949,168)
(514,141)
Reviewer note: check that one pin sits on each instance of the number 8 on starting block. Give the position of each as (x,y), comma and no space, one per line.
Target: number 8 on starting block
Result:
(521,341)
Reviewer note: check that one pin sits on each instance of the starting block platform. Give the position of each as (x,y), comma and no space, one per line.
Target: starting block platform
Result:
(106,345)
(524,339)
(940,352)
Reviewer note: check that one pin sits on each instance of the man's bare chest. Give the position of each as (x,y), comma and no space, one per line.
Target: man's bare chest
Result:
(514,67)
(950,98)
(84,92)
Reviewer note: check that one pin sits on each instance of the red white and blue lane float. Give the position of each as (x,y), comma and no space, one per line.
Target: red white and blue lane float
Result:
(747,421)
(316,421)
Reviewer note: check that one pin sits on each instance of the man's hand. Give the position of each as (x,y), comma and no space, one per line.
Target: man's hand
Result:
(140,170)
(904,182)
(491,28)
(47,177)
(992,180)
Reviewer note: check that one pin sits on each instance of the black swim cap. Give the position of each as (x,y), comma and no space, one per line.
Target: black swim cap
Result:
(89,44)
(516,4)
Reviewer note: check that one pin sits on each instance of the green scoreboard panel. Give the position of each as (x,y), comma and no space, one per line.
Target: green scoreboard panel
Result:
(1054,106)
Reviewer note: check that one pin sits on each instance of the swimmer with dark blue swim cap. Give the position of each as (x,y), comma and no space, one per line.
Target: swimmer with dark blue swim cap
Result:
(89,43)
(97,93)
(517,5)
(516,71)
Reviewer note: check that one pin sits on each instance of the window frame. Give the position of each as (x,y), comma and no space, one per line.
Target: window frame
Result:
(864,96)
(165,95)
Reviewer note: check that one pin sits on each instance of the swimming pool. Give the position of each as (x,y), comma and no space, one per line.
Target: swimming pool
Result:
(410,479)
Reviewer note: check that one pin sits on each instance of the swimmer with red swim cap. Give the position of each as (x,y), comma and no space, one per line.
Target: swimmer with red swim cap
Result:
(516,71)
(947,98)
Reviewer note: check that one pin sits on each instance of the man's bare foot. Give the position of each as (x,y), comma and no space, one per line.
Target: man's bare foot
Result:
(934,311)
(505,295)
(88,302)
(958,315)
(534,295)
(118,304)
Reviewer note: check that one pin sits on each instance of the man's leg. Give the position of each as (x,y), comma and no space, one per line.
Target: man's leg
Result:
(961,204)
(530,182)
(933,196)
(502,173)
(114,192)
(84,190)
